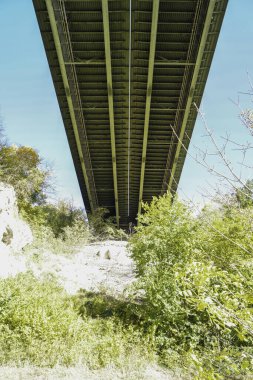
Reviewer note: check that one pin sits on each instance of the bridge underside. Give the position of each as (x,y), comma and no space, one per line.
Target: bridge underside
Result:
(126,74)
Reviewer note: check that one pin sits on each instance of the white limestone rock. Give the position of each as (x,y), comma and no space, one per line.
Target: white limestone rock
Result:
(14,232)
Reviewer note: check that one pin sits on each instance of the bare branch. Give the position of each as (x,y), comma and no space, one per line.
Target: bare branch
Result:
(220,152)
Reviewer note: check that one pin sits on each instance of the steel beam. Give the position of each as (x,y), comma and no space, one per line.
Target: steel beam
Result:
(155,13)
(110,101)
(87,62)
(173,63)
(203,40)
(59,52)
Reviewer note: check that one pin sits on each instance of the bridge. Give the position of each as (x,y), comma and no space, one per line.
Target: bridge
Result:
(127,74)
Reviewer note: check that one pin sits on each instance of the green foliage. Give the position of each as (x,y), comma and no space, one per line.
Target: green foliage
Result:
(244,195)
(56,216)
(102,305)
(195,274)
(165,233)
(62,215)
(61,228)
(103,227)
(40,325)
(22,168)
(77,234)
(68,242)
(225,236)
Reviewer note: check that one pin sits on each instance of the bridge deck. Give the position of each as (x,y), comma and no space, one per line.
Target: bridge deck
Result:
(124,73)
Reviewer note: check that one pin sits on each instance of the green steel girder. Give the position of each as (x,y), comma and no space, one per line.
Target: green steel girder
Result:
(110,101)
(58,48)
(155,14)
(189,104)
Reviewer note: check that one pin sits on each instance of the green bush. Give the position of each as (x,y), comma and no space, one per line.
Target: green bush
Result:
(195,274)
(71,239)
(62,215)
(56,216)
(61,228)
(103,227)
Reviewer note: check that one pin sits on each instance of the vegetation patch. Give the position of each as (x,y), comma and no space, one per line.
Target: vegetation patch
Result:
(195,274)
(40,325)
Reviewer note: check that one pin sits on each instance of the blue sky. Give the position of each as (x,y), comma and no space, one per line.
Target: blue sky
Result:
(30,112)
(232,60)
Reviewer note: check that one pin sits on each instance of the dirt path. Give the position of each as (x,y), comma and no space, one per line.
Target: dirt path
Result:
(80,373)
(100,265)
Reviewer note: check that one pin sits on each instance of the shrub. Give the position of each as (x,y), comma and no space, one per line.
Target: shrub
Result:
(196,282)
(76,235)
(63,227)
(103,227)
(62,215)
(60,228)
(71,239)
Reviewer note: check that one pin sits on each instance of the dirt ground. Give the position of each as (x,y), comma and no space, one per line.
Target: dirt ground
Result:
(81,373)
(99,265)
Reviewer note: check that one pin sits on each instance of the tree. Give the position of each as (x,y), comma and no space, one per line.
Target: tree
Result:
(63,214)
(22,168)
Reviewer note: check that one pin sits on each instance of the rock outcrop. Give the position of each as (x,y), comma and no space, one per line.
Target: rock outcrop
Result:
(14,232)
